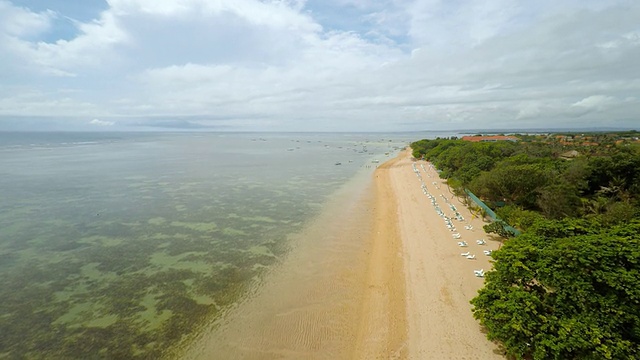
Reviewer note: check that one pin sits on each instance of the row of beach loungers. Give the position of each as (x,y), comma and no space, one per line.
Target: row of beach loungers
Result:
(448,220)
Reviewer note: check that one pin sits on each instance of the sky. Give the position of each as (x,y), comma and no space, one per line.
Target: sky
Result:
(319,65)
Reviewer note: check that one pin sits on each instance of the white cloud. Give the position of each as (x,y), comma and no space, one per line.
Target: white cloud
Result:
(597,102)
(391,65)
(99,122)
(530,110)
(593,103)
(277,14)
(18,21)
(29,102)
(91,50)
(445,24)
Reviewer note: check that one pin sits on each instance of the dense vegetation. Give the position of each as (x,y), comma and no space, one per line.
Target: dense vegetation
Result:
(566,289)
(569,286)
(525,180)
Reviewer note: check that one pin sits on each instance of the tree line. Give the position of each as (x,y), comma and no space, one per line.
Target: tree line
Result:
(520,180)
(568,287)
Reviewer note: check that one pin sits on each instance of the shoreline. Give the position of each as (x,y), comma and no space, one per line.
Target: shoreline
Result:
(309,305)
(382,331)
(377,275)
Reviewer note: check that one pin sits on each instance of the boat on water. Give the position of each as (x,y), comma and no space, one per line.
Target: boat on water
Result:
(338,163)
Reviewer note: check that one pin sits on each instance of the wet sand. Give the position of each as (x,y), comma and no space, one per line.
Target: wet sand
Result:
(310,306)
(377,275)
(382,331)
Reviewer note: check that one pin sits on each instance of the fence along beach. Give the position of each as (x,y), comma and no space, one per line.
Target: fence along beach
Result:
(379,274)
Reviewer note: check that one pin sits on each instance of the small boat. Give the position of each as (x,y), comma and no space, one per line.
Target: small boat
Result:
(338,163)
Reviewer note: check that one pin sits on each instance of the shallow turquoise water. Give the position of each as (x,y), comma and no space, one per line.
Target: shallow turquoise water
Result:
(121,245)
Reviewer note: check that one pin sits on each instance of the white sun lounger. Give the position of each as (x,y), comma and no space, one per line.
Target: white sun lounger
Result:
(462,244)
(465,254)
(481,242)
(471,257)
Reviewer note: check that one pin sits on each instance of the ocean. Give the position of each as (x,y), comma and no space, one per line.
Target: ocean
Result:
(127,245)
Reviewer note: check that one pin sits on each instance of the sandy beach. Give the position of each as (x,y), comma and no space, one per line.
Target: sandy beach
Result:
(377,275)
(439,282)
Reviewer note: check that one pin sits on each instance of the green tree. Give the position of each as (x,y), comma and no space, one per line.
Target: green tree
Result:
(512,182)
(603,182)
(517,217)
(558,201)
(565,289)
(499,228)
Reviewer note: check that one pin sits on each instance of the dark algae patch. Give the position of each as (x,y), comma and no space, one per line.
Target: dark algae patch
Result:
(134,295)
